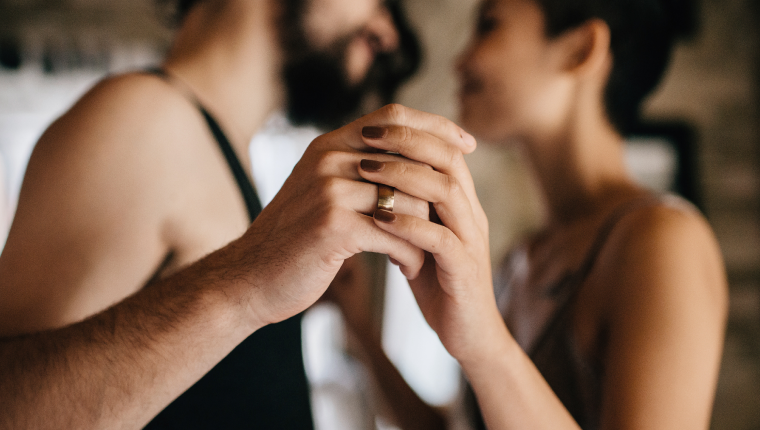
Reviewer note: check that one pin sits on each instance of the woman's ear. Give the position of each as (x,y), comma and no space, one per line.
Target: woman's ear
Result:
(586,49)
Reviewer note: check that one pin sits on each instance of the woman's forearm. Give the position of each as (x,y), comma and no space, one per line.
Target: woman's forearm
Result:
(510,390)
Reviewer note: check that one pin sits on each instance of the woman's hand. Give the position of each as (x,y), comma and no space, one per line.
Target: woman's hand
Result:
(454,288)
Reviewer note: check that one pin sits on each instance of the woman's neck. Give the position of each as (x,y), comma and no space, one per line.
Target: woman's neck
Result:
(579,168)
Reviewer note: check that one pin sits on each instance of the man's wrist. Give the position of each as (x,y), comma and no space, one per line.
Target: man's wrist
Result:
(230,290)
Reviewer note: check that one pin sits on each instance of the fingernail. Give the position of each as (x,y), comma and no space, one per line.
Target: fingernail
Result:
(468,139)
(385,216)
(372,132)
(372,165)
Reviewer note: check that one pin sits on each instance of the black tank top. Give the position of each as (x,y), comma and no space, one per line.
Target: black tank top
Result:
(262,383)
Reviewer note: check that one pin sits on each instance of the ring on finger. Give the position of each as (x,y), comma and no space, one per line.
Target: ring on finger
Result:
(385,197)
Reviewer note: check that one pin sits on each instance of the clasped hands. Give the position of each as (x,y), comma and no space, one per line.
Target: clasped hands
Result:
(326,212)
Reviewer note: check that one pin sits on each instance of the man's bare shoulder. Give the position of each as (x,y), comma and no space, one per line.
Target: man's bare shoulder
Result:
(126,130)
(99,188)
(135,109)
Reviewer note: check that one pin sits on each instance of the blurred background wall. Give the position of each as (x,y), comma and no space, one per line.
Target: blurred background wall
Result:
(51,51)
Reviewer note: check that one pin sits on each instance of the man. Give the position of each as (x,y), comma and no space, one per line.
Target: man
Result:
(129,187)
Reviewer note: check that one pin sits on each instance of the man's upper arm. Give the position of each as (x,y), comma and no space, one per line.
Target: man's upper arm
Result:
(87,229)
(666,321)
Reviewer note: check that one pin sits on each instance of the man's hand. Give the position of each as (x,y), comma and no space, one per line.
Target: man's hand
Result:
(323,215)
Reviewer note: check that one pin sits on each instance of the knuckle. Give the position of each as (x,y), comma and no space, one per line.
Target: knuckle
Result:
(403,169)
(450,187)
(405,137)
(330,188)
(333,220)
(396,113)
(414,206)
(449,128)
(320,141)
(445,241)
(331,157)
(326,161)
(452,129)
(453,157)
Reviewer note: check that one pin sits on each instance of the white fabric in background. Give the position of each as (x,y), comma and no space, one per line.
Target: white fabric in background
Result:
(414,347)
(274,151)
(5,203)
(652,162)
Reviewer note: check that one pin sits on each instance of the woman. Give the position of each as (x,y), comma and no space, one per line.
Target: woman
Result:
(612,316)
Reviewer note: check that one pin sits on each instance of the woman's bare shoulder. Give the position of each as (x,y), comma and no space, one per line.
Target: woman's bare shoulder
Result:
(664,311)
(661,253)
(672,228)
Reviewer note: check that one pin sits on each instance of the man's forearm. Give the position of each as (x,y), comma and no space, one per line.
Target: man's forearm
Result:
(121,367)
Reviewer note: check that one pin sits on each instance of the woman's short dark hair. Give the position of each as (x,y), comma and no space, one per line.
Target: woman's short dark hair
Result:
(643,33)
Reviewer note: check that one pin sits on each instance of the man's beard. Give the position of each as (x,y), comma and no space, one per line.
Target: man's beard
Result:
(318,90)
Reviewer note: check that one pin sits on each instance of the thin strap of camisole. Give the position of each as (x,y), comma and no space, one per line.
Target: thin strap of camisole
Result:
(252,203)
(573,281)
(606,230)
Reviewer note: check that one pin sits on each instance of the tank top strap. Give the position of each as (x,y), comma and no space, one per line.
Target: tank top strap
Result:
(567,288)
(262,383)
(606,230)
(252,203)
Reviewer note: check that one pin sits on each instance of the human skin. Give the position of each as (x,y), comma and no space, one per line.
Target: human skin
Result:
(120,367)
(652,310)
(129,187)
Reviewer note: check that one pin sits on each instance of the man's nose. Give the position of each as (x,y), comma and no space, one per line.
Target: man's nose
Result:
(382,31)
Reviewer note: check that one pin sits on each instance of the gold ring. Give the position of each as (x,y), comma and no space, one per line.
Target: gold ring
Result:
(385,197)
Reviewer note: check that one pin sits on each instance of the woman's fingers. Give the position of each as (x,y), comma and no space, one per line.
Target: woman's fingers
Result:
(395,114)
(370,238)
(415,144)
(442,243)
(423,147)
(343,164)
(445,192)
